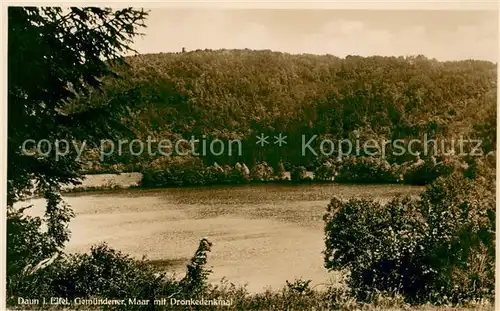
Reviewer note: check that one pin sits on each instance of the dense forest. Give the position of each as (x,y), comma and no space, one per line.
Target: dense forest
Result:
(436,249)
(238,94)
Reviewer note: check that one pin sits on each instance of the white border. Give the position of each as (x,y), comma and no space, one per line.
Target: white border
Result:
(262,4)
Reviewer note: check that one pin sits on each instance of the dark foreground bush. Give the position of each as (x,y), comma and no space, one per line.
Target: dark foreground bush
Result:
(107,273)
(438,248)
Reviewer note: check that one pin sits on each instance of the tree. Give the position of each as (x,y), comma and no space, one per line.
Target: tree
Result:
(58,57)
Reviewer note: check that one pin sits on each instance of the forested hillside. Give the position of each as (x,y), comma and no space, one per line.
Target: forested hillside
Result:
(238,94)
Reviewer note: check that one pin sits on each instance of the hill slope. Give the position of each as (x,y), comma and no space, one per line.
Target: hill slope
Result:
(238,94)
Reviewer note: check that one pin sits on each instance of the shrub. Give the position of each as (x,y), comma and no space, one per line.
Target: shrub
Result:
(366,170)
(34,243)
(261,172)
(459,244)
(325,172)
(301,287)
(362,236)
(425,171)
(192,172)
(280,171)
(176,172)
(215,174)
(439,247)
(239,175)
(226,174)
(195,281)
(298,174)
(107,273)
(482,168)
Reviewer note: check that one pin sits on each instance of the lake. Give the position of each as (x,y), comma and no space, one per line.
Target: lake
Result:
(262,235)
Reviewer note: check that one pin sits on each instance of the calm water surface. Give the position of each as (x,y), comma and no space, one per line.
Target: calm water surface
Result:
(262,235)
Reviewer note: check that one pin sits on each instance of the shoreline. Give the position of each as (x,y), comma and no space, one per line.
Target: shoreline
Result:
(127,182)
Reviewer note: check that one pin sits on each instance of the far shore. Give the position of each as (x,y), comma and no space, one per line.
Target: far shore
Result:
(119,182)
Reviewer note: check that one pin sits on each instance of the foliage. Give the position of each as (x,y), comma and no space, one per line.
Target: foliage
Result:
(56,57)
(299,286)
(326,171)
(195,281)
(105,273)
(437,248)
(261,172)
(239,94)
(216,174)
(108,273)
(482,169)
(425,171)
(68,81)
(280,171)
(240,174)
(298,174)
(33,242)
(366,170)
(41,90)
(190,171)
(175,172)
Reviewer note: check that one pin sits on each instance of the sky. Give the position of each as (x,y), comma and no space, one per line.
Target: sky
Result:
(444,35)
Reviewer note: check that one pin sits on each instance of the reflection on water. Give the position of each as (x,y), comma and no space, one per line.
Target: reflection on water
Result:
(262,235)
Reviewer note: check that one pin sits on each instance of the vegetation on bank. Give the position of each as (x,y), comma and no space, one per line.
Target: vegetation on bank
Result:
(191,171)
(186,171)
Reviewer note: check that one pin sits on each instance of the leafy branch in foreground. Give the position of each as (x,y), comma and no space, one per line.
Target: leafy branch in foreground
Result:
(56,56)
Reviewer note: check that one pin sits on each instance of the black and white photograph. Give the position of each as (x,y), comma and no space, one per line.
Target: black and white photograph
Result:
(250,157)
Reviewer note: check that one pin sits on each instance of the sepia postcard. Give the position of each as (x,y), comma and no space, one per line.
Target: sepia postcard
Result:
(250,156)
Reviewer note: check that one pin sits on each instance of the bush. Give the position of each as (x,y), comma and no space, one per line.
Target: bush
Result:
(175,172)
(280,171)
(372,241)
(226,174)
(34,243)
(439,247)
(261,172)
(215,174)
(325,172)
(301,287)
(299,174)
(239,174)
(108,273)
(482,168)
(425,171)
(460,239)
(366,170)
(192,172)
